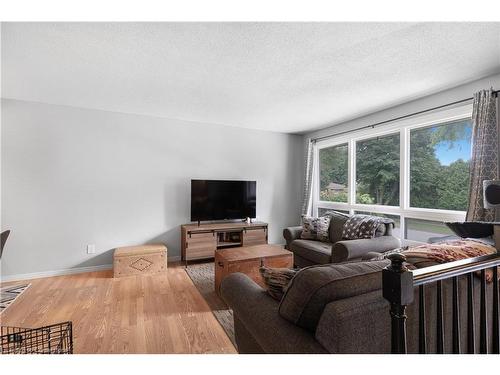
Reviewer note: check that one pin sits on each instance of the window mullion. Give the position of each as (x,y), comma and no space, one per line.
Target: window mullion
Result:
(404,180)
(316,181)
(352,173)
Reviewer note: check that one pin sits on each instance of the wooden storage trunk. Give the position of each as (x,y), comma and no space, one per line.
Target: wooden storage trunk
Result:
(139,260)
(248,260)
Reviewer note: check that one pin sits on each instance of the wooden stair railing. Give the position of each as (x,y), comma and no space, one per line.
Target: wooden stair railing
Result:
(398,288)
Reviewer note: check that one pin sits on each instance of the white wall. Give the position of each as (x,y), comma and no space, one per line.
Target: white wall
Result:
(72,177)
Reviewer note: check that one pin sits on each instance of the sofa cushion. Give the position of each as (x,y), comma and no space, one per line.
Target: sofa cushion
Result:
(337,221)
(315,228)
(382,229)
(315,251)
(316,286)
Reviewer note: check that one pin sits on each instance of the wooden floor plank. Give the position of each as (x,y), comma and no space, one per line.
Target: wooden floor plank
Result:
(162,313)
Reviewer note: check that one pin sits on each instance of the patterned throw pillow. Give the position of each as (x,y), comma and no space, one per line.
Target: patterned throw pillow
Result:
(315,228)
(277,280)
(363,226)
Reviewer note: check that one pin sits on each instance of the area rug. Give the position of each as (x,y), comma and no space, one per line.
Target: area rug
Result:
(202,276)
(8,295)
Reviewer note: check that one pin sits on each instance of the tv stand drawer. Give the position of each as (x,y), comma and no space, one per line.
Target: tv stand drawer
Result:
(254,236)
(200,253)
(200,245)
(193,237)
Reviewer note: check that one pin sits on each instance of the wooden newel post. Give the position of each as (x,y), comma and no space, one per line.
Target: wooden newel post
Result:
(397,287)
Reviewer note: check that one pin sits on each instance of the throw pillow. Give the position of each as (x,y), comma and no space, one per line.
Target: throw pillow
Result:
(364,226)
(315,228)
(277,280)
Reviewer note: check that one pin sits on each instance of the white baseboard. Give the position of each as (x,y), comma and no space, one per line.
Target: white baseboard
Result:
(68,271)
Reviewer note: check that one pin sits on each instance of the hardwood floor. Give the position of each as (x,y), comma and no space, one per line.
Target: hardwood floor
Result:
(137,314)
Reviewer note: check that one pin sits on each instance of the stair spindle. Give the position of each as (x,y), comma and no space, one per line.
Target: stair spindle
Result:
(422,339)
(470,315)
(439,318)
(496,335)
(456,318)
(483,338)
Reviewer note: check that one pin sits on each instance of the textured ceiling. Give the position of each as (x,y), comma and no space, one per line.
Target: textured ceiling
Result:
(287,77)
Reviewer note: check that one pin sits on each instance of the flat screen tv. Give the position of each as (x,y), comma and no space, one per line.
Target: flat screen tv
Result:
(222,200)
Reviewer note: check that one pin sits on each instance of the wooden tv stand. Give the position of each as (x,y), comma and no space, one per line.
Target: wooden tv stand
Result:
(201,241)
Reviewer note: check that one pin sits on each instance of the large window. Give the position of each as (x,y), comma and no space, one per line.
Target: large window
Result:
(377,170)
(439,166)
(415,171)
(333,166)
(425,230)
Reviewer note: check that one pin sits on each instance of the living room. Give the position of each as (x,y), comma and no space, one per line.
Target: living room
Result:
(249,187)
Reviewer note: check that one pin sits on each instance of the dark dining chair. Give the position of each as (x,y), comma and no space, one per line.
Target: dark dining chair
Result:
(4,235)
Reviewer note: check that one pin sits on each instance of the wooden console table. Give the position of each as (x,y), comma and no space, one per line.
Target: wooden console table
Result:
(201,241)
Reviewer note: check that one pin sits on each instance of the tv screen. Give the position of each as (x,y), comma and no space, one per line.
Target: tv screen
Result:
(222,200)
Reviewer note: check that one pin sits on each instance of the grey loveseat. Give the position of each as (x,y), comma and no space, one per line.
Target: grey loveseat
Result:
(309,252)
(335,308)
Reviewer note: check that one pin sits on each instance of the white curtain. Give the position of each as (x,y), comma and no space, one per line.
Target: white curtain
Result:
(308,178)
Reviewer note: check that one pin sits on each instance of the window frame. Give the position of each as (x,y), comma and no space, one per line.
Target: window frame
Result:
(408,192)
(403,127)
(318,171)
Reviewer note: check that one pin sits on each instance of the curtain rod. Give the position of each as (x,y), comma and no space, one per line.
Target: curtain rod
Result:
(495,92)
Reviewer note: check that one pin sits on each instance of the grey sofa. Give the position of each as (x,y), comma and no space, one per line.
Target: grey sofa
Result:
(309,252)
(335,308)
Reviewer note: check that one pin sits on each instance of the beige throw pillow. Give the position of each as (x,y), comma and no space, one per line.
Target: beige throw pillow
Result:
(277,280)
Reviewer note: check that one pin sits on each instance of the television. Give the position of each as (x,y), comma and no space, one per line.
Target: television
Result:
(222,199)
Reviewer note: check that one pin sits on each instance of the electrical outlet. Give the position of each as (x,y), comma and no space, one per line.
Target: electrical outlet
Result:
(91,249)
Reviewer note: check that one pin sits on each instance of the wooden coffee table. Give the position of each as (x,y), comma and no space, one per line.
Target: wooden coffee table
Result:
(248,260)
